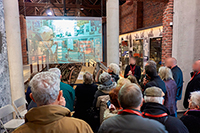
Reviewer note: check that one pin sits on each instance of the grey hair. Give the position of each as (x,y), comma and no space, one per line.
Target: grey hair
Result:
(195,98)
(87,78)
(45,88)
(104,77)
(151,63)
(130,96)
(115,68)
(56,71)
(153,99)
(165,73)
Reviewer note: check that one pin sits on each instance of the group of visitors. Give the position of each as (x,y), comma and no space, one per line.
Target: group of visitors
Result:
(139,103)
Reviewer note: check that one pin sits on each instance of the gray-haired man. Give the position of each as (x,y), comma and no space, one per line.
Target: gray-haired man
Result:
(130,119)
(49,116)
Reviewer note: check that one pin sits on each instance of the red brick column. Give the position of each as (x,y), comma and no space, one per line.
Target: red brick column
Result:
(167,31)
(23,39)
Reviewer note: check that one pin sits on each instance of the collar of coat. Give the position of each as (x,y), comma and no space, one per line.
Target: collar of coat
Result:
(193,112)
(154,108)
(46,114)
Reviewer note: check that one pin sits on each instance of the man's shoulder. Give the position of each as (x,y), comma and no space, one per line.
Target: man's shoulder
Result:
(65,86)
(65,124)
(174,121)
(134,119)
(22,129)
(74,120)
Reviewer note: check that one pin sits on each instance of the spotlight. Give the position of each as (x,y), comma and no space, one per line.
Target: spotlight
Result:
(49,13)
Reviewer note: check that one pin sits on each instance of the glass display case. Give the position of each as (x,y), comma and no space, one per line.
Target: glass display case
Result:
(138,51)
(156,50)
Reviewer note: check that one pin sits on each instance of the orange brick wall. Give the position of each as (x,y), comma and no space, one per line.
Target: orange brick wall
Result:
(23,39)
(152,15)
(167,31)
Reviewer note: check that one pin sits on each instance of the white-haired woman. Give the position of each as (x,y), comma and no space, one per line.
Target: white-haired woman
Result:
(171,90)
(191,118)
(102,94)
(113,70)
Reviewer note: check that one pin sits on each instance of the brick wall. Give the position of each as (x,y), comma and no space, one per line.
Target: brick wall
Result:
(152,15)
(167,31)
(128,17)
(23,39)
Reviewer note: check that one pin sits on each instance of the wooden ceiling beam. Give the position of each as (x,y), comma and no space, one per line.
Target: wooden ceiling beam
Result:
(29,4)
(147,0)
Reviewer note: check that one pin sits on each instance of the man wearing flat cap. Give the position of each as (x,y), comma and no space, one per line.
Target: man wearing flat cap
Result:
(153,108)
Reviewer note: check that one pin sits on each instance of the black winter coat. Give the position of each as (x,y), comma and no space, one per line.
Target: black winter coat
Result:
(137,72)
(193,85)
(172,124)
(178,78)
(157,82)
(192,121)
(84,99)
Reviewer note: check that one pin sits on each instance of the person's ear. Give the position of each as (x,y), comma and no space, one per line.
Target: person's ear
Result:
(163,101)
(60,94)
(60,76)
(31,96)
(142,102)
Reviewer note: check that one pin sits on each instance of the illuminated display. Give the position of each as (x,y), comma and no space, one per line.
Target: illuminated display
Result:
(64,39)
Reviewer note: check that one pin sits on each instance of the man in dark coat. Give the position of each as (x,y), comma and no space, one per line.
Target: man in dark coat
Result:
(194,83)
(153,78)
(130,119)
(177,75)
(133,69)
(191,118)
(153,108)
(84,99)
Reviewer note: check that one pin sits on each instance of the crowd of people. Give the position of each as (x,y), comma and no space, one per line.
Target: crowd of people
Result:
(140,102)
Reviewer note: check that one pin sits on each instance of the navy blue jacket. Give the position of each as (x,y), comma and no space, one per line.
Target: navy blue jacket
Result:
(157,82)
(193,85)
(172,124)
(178,78)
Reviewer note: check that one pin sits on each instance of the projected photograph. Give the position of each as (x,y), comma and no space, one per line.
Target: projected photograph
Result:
(64,39)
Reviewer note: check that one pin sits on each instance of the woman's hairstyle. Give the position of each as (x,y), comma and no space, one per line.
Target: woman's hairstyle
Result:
(87,78)
(122,81)
(133,79)
(195,98)
(115,68)
(114,97)
(165,73)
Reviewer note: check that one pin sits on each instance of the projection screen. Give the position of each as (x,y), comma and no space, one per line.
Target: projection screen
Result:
(64,39)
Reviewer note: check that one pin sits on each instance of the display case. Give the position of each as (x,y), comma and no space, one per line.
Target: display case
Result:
(156,50)
(138,51)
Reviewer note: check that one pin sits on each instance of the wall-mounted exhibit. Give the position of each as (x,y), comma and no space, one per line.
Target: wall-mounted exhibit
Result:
(143,44)
(64,39)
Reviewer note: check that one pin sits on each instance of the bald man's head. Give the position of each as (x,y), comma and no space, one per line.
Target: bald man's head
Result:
(170,62)
(196,66)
